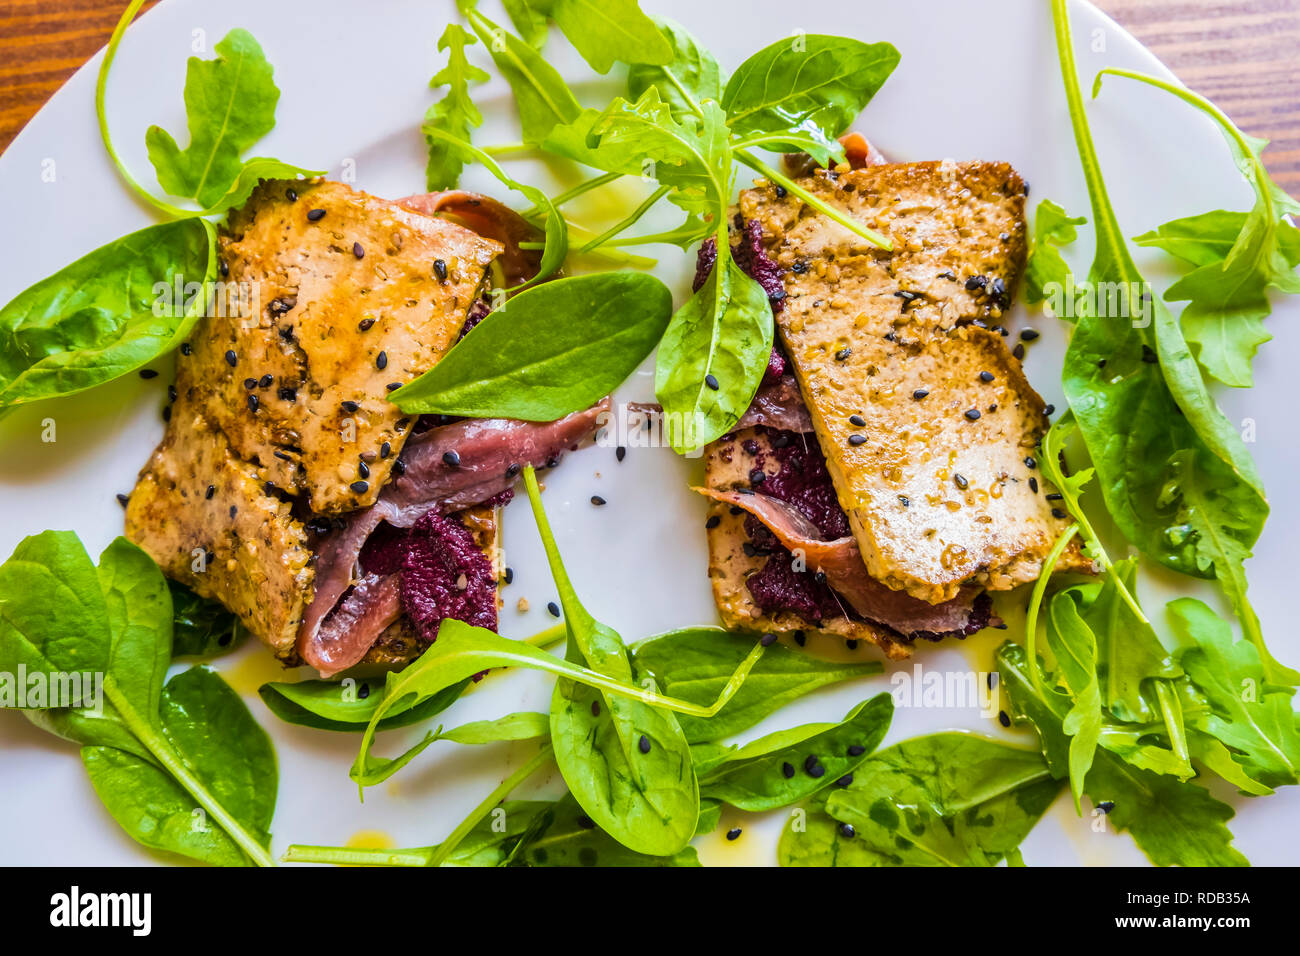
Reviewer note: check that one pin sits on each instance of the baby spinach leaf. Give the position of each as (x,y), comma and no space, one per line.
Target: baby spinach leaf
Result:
(55,618)
(542,97)
(625,762)
(530,21)
(551,350)
(754,777)
(714,355)
(946,799)
(139,609)
(104,315)
(815,83)
(229,105)
(456,111)
(690,78)
(329,705)
(1052,228)
(1247,714)
(606,32)
(696,664)
(201,627)
(520,726)
(1174,823)
(569,839)
(1227,295)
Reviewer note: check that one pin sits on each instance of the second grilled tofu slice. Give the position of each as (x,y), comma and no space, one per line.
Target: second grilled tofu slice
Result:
(926,420)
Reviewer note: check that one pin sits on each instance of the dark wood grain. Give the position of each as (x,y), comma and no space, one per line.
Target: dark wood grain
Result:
(1243,54)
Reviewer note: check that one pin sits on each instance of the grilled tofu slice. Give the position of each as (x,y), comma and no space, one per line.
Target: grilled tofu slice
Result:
(727,467)
(940,483)
(203,513)
(345,295)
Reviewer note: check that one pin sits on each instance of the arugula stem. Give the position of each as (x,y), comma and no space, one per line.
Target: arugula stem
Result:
(1172,712)
(1036,601)
(356,856)
(627,222)
(101,87)
(502,791)
(574,192)
(167,757)
(508,149)
(756,164)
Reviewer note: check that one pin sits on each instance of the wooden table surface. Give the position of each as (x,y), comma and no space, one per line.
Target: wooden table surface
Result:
(1243,54)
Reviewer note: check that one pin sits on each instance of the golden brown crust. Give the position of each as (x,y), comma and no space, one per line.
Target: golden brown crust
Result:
(900,476)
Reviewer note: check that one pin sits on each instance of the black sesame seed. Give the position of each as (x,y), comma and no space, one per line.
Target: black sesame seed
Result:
(231,358)
(857,420)
(842,354)
(513,470)
(997,286)
(799,268)
(920,393)
(233,511)
(553,608)
(123,499)
(399,468)
(713,521)
(172,394)
(385,450)
(907,502)
(252,403)
(845,780)
(595,708)
(1018,352)
(643,744)
(186,348)
(167,413)
(360,487)
(393,386)
(734,832)
(856,750)
(265,381)
(757,476)
(451,458)
(847,831)
(1033,484)
(1059,514)
(148,373)
(291,195)
(349,406)
(711,381)
(986,377)
(281,455)
(1028,335)
(586,822)
(767,640)
(212,490)
(620,452)
(597,500)
(813,767)
(223,267)
(800,638)
(1106,806)
(365,324)
(358,250)
(972,414)
(1031,462)
(1003,719)
(1049,410)
(960,481)
(315,215)
(509,575)
(381,361)
(1149,356)
(363,469)
(287,394)
(250,383)
(440,269)
(820,577)
(857,439)
(780,192)
(976,282)
(1055,497)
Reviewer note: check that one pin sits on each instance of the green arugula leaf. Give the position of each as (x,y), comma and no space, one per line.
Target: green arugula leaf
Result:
(947,799)
(1052,228)
(756,777)
(1074,645)
(102,317)
(689,79)
(530,21)
(554,349)
(697,664)
(1227,295)
(1248,714)
(606,32)
(229,104)
(813,83)
(455,112)
(542,97)
(1174,823)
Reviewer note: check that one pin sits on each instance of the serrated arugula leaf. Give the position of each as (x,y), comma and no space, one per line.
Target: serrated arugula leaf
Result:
(229,104)
(1046,269)
(1174,823)
(455,112)
(1227,291)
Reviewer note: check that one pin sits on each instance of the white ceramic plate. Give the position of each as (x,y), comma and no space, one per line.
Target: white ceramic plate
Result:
(978,80)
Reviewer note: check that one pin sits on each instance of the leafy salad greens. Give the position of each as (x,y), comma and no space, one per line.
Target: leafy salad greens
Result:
(1138,721)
